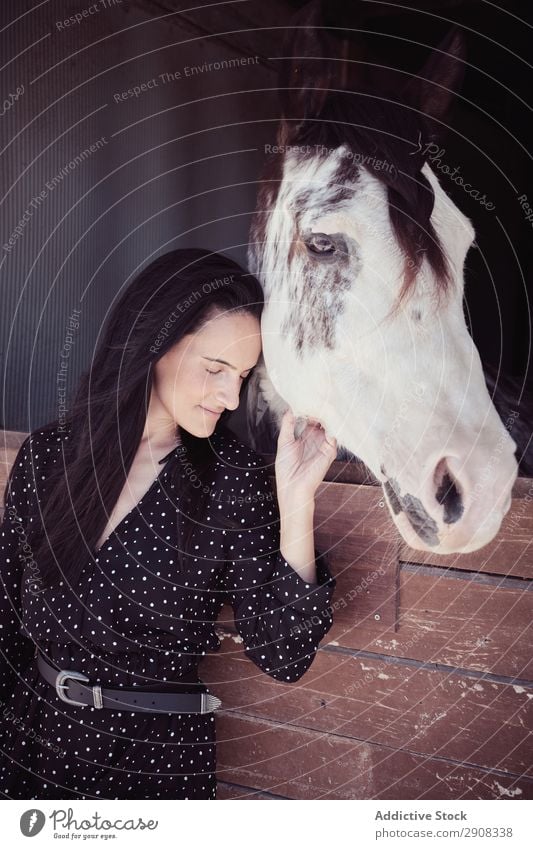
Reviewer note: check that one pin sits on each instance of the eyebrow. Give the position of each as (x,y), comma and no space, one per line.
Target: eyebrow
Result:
(214,360)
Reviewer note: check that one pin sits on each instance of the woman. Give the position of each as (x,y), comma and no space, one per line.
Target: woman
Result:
(125,528)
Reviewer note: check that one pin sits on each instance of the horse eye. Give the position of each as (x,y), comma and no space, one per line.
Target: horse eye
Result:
(320,244)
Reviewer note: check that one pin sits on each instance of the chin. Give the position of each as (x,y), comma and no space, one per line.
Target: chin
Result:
(203,423)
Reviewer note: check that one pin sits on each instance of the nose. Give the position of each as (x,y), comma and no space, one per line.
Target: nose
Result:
(228,396)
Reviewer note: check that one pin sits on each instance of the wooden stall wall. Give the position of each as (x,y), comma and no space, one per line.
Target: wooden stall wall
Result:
(423,688)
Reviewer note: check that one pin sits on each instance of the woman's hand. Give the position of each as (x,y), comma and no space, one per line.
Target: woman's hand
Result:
(301,463)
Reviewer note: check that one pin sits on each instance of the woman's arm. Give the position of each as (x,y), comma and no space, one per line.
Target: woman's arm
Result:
(281,605)
(300,467)
(297,538)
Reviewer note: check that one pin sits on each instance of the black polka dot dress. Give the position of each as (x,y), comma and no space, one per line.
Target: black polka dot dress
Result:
(135,619)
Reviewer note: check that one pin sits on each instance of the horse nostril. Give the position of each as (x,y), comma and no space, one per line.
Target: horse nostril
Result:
(448,493)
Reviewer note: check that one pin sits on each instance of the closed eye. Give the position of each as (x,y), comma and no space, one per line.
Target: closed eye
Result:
(242,377)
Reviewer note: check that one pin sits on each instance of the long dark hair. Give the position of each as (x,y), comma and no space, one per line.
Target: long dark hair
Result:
(105,423)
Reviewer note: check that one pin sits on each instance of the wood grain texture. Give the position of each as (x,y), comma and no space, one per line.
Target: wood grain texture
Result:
(442,713)
(302,764)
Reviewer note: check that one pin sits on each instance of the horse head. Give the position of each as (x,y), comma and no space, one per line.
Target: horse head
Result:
(360,252)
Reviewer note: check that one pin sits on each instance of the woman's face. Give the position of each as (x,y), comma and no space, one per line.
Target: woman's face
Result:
(202,375)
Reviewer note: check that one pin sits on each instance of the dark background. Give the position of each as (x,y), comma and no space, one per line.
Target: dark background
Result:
(180,162)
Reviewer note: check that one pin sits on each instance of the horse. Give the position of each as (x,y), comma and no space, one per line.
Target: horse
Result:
(360,253)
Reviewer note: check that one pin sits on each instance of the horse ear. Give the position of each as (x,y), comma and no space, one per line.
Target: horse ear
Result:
(433,89)
(309,67)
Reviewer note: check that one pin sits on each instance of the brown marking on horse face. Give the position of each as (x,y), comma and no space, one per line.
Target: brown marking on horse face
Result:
(347,172)
(328,198)
(393,499)
(317,296)
(310,322)
(424,526)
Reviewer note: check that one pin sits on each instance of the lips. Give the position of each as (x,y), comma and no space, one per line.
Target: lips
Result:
(211,412)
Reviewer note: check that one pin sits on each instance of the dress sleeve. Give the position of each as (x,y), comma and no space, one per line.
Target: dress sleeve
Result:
(16,650)
(280,617)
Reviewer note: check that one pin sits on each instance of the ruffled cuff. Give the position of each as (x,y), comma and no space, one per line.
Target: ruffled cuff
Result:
(292,591)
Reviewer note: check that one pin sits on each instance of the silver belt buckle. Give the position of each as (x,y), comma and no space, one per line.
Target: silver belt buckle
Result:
(61,685)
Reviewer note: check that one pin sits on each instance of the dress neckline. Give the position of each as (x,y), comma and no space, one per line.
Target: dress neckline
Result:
(156,481)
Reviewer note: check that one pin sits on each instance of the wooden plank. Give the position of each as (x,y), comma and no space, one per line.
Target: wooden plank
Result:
(10,442)
(346,509)
(472,621)
(362,547)
(463,620)
(510,553)
(425,711)
(302,764)
(232,791)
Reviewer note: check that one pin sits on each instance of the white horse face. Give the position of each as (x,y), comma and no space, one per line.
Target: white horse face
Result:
(403,389)
(363,327)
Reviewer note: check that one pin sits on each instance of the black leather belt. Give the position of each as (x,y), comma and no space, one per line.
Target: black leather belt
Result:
(70,687)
